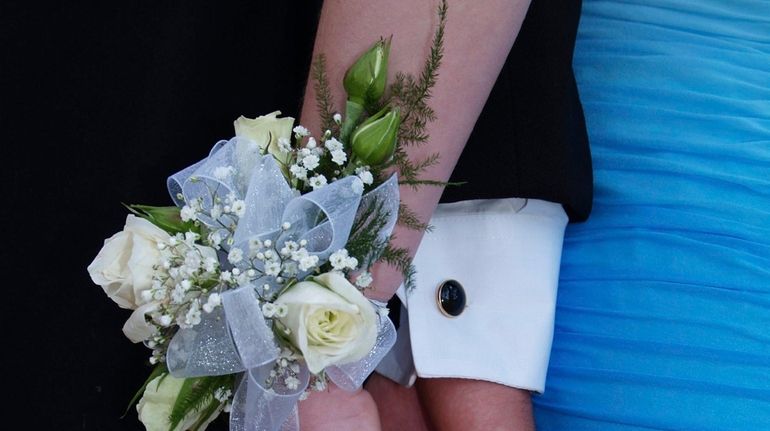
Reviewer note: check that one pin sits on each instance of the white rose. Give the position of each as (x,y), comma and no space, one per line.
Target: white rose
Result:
(155,406)
(331,322)
(124,265)
(266,131)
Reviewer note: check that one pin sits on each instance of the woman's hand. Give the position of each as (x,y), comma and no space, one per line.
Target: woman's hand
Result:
(338,410)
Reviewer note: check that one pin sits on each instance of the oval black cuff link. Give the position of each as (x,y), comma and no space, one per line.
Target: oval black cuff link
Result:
(450,298)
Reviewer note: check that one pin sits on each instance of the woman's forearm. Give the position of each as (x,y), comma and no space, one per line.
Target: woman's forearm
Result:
(479,34)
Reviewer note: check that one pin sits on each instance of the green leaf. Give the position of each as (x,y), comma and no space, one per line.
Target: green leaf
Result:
(166,218)
(160,369)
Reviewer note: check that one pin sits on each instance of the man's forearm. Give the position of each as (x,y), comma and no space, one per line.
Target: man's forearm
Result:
(479,35)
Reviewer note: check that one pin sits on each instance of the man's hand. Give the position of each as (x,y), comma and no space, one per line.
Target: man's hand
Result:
(338,410)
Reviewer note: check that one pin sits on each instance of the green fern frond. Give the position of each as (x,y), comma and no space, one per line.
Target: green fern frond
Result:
(411,96)
(364,243)
(429,73)
(195,394)
(409,218)
(399,258)
(410,171)
(433,183)
(323,94)
(206,414)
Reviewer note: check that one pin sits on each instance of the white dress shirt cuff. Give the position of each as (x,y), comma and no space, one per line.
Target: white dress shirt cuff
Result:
(506,254)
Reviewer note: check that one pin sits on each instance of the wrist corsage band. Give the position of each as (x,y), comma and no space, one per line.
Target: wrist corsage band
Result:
(250,290)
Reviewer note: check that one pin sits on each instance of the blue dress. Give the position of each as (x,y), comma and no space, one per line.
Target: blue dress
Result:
(663,315)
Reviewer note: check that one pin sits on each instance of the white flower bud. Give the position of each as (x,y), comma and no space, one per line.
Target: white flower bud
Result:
(214,299)
(165,320)
(147,295)
(268,309)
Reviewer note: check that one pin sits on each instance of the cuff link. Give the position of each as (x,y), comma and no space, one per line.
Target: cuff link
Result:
(450,298)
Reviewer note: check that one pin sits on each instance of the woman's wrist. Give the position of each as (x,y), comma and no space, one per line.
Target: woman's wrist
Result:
(387,280)
(339,410)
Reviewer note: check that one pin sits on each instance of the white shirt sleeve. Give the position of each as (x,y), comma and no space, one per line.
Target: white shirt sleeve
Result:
(506,254)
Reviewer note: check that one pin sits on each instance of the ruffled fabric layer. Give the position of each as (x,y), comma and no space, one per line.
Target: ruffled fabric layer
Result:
(663,314)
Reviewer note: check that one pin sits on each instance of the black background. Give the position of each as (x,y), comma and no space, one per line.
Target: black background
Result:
(101,101)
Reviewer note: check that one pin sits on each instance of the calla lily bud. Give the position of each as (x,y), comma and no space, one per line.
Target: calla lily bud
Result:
(365,80)
(374,141)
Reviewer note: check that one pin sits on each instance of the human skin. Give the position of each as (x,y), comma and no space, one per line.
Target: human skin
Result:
(479,35)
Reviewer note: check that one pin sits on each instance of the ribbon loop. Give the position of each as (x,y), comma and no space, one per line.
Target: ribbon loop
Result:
(207,349)
(229,340)
(334,206)
(266,199)
(252,337)
(257,408)
(174,182)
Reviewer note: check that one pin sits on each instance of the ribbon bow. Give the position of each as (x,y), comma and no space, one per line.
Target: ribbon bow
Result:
(235,338)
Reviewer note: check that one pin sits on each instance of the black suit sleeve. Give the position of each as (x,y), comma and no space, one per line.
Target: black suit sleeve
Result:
(530,140)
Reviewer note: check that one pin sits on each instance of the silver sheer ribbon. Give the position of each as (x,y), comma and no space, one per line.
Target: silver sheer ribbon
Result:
(235,338)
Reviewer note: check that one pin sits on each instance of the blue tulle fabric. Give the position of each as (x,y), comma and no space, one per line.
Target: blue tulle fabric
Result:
(663,315)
